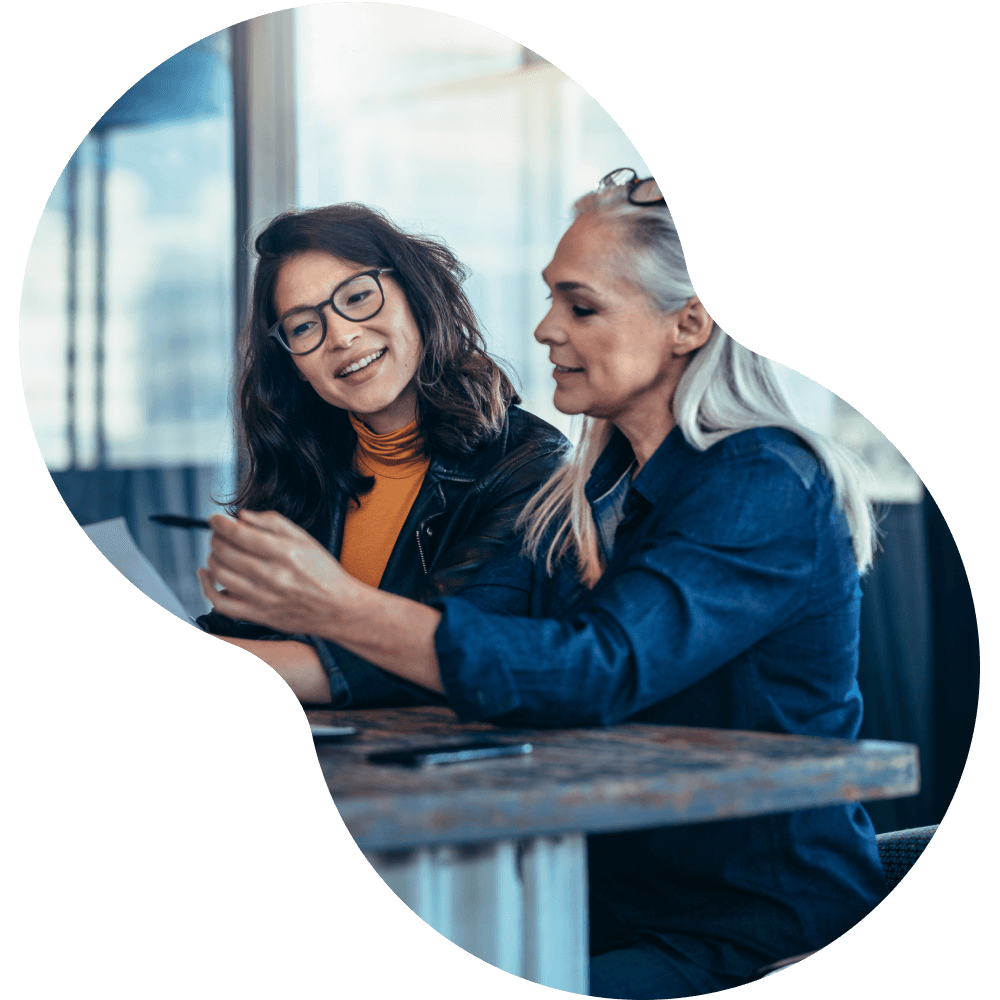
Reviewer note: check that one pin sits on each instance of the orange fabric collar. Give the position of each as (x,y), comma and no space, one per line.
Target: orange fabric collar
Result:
(397,455)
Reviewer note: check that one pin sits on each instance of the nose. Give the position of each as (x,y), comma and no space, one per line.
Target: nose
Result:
(340,332)
(549,330)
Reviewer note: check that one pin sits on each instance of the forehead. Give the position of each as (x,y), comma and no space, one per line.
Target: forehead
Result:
(309,277)
(590,251)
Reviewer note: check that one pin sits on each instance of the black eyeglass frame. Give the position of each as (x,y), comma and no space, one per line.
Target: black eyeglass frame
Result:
(633,184)
(275,330)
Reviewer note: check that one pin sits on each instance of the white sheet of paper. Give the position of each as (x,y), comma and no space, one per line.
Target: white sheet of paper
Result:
(117,544)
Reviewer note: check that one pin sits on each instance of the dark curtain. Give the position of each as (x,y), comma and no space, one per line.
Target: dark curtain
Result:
(99,494)
(956,658)
(919,657)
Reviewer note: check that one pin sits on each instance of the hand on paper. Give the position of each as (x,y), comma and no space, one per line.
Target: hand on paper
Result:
(274,573)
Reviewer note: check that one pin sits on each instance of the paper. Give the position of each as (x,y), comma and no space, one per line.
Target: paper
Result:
(117,544)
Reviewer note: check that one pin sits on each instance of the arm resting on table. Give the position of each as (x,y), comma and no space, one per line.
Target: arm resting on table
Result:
(295,662)
(406,649)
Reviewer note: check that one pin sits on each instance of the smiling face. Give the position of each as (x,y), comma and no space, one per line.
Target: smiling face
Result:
(616,355)
(368,367)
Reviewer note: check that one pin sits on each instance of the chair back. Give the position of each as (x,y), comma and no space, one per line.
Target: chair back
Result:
(900,849)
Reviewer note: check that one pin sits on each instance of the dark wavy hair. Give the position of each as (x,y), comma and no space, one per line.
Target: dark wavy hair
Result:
(300,448)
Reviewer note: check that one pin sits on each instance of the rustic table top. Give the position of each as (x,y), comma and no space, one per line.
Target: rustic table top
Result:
(587,780)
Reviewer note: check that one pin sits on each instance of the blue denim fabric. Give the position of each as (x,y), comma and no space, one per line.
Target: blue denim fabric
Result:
(730,600)
(647,972)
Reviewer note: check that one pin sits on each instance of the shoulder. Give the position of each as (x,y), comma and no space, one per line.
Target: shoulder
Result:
(525,429)
(768,451)
(533,450)
(760,481)
(527,450)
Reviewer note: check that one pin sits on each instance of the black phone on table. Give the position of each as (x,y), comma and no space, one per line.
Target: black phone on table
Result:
(451,753)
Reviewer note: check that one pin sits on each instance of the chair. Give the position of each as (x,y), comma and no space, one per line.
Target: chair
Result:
(898,852)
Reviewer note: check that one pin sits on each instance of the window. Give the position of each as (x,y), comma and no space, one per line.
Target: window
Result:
(457,132)
(127,317)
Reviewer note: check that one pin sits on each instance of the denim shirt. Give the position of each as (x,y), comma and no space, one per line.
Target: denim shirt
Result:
(731,599)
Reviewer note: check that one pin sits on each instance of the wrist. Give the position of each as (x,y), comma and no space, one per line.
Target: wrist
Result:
(347,610)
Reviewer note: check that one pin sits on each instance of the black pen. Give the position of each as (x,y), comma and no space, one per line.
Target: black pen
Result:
(179,521)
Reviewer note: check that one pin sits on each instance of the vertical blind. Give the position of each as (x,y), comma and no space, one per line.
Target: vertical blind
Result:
(127,319)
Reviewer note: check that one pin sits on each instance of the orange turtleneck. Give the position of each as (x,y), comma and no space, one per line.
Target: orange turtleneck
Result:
(398,465)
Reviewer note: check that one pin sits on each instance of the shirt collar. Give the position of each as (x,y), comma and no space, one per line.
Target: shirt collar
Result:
(610,466)
(654,478)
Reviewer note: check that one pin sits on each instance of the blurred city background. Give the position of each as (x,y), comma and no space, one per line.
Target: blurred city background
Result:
(138,275)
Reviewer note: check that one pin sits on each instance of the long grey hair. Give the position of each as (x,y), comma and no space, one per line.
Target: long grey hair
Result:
(724,389)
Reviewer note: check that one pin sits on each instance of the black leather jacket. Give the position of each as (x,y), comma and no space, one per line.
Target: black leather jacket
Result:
(463,515)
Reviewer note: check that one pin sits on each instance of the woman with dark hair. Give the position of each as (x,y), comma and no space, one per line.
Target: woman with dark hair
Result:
(374,419)
(717,545)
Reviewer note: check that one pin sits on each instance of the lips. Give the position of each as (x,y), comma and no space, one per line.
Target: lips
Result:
(361,363)
(562,370)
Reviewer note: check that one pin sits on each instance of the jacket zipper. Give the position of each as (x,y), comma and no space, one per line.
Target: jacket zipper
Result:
(420,548)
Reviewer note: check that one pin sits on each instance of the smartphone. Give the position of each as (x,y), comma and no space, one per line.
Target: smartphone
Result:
(451,753)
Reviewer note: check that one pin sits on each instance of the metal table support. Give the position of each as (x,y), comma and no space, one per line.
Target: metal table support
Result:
(520,905)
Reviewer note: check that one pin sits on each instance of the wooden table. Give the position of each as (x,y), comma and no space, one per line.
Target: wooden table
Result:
(493,853)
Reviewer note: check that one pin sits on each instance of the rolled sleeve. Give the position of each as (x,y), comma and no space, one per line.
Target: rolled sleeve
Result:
(218,624)
(478,685)
(543,672)
(340,692)
(356,683)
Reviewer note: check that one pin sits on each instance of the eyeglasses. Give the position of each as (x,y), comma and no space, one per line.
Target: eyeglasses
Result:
(640,192)
(303,329)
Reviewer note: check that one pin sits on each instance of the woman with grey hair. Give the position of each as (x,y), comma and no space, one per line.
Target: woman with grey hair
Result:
(695,562)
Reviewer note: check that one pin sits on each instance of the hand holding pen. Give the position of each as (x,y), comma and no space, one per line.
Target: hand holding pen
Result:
(296,662)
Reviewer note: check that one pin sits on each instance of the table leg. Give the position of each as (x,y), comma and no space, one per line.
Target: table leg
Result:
(555,931)
(519,905)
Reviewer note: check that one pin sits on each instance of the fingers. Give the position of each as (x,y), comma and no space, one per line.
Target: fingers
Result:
(229,564)
(274,568)
(207,583)
(221,600)
(270,522)
(244,605)
(246,552)
(240,534)
(269,559)
(232,574)
(211,587)
(264,533)
(252,565)
(274,523)
(271,569)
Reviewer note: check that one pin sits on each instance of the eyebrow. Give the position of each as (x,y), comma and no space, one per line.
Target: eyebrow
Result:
(305,305)
(301,305)
(569,286)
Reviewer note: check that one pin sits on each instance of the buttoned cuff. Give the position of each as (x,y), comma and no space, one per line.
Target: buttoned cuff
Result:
(218,624)
(340,692)
(356,683)
(476,679)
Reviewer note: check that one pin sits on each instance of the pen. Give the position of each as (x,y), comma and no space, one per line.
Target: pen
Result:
(179,521)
